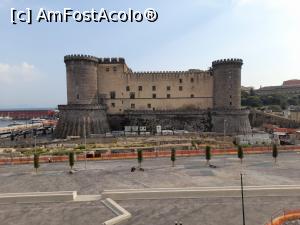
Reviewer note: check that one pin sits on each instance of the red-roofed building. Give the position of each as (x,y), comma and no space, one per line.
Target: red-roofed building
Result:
(293,82)
(28,113)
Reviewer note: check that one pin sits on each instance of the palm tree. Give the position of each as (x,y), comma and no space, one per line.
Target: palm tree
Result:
(207,154)
(173,156)
(240,153)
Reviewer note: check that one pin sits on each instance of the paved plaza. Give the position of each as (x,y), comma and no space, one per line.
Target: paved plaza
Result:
(188,172)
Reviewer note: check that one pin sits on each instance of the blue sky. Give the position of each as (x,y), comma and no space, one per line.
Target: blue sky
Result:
(191,34)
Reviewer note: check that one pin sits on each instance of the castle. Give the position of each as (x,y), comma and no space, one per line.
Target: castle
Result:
(104,94)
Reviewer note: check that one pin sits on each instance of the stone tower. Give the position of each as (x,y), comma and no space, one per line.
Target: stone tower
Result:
(227,83)
(82,79)
(228,117)
(83,114)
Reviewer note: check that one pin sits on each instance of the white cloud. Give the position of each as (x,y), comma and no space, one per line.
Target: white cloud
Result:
(18,73)
(24,85)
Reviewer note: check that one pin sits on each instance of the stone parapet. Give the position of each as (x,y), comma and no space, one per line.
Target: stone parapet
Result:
(227,61)
(80,57)
(68,58)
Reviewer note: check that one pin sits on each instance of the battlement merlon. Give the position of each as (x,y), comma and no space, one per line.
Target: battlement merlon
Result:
(112,60)
(173,72)
(227,61)
(80,57)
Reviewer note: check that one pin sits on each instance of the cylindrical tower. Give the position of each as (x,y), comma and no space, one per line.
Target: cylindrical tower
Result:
(81,79)
(227,116)
(227,83)
(83,115)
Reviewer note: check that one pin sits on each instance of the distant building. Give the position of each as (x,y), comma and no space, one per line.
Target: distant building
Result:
(247,89)
(288,87)
(26,114)
(294,82)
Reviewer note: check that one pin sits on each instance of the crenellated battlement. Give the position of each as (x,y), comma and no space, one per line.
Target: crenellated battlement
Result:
(227,61)
(80,57)
(111,60)
(187,72)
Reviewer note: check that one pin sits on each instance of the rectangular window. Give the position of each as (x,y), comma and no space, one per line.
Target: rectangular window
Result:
(149,106)
(153,95)
(140,88)
(192,96)
(127,88)
(180,88)
(180,80)
(132,95)
(132,106)
(153,88)
(192,80)
(112,94)
(115,68)
(77,96)
(168,88)
(168,96)
(107,69)
(113,104)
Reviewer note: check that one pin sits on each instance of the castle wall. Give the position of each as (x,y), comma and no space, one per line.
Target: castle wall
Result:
(190,120)
(154,90)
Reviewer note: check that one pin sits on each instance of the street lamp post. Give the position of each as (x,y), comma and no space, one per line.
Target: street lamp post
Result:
(242,192)
(224,130)
(34,144)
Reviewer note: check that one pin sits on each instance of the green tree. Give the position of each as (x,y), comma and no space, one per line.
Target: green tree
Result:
(240,153)
(254,101)
(140,157)
(275,152)
(207,154)
(71,159)
(252,92)
(173,156)
(36,163)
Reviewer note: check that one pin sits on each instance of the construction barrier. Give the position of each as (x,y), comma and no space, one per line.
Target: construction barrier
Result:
(286,215)
(146,154)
